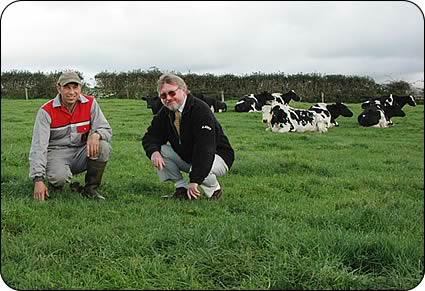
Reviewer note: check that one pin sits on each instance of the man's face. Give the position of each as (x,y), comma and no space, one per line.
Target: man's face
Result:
(69,92)
(172,96)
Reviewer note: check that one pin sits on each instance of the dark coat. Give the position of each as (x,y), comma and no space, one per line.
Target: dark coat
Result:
(201,137)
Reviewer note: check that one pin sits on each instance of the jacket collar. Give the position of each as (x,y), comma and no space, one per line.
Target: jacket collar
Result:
(189,103)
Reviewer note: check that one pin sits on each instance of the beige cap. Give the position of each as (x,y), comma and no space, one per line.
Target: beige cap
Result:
(69,77)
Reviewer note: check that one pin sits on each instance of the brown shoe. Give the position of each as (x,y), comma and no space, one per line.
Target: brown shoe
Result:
(216,195)
(180,193)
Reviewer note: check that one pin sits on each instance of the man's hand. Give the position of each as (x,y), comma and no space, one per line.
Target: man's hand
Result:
(157,160)
(193,191)
(40,191)
(93,145)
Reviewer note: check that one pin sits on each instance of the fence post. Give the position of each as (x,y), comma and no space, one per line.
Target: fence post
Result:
(26,93)
(323,97)
(222,96)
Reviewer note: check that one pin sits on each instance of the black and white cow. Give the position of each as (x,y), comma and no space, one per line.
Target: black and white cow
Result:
(255,102)
(335,110)
(378,114)
(155,104)
(391,105)
(286,119)
(401,100)
(285,98)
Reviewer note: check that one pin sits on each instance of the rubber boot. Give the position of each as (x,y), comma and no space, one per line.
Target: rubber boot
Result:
(93,178)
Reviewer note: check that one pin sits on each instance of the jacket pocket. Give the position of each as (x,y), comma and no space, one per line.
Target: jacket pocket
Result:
(83,128)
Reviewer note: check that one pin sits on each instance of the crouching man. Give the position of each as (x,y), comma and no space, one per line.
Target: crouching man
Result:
(185,136)
(70,136)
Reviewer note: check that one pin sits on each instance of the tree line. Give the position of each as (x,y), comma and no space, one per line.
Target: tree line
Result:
(138,83)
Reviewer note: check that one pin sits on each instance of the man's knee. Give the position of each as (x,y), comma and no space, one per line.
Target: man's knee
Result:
(104,151)
(59,177)
(167,151)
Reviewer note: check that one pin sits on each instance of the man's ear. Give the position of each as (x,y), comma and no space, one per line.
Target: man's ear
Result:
(185,90)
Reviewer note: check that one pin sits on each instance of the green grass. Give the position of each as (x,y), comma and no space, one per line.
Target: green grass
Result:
(340,210)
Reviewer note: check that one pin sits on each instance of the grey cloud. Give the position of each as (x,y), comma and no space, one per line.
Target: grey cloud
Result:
(361,37)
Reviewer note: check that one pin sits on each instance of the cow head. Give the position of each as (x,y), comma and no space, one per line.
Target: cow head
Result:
(291,95)
(266,111)
(343,110)
(403,100)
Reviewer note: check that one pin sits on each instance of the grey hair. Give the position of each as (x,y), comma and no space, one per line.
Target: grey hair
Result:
(169,78)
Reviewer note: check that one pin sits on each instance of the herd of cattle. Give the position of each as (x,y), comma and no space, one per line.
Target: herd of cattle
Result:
(280,117)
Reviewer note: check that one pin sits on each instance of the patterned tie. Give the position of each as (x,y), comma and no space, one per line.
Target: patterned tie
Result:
(177,121)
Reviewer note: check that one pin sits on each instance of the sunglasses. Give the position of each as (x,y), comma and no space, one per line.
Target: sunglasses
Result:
(170,93)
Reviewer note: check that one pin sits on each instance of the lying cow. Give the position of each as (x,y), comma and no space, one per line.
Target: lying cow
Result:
(285,98)
(155,104)
(401,100)
(335,110)
(253,102)
(286,119)
(376,114)
(391,105)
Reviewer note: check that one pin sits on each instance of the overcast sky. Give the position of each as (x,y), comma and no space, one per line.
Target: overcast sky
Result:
(383,40)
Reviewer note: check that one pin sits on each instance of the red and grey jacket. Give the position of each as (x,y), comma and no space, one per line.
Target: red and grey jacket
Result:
(56,128)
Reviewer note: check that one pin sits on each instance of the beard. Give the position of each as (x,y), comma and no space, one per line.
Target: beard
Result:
(173,107)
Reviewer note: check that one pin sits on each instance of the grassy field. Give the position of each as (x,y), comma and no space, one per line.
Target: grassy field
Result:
(341,210)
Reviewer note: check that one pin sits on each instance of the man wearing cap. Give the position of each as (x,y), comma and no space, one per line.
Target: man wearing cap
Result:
(70,135)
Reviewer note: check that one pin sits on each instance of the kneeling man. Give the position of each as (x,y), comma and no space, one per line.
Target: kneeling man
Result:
(185,136)
(70,135)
